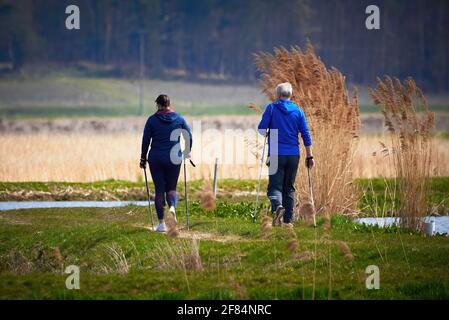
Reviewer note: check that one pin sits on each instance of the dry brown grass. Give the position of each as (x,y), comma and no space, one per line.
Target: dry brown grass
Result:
(177,254)
(172,228)
(345,250)
(410,151)
(293,243)
(333,119)
(265,224)
(208,200)
(93,157)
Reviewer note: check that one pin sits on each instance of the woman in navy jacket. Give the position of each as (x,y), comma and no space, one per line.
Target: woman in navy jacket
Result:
(163,130)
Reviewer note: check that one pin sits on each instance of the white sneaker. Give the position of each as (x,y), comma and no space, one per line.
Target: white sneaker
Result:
(172,211)
(161,227)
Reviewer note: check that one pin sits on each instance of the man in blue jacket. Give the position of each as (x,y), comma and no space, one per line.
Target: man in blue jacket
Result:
(289,121)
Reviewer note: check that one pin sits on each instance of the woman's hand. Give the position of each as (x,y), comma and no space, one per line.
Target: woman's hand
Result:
(143,163)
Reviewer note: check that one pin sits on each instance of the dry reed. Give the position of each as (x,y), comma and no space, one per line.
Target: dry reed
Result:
(333,119)
(172,228)
(410,153)
(208,200)
(293,243)
(177,254)
(265,224)
(118,263)
(344,248)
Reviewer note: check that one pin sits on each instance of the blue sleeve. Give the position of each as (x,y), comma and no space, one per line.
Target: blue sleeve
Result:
(187,134)
(265,121)
(146,138)
(304,129)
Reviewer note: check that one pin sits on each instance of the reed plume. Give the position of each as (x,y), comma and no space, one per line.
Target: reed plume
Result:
(172,228)
(293,243)
(265,224)
(208,200)
(344,248)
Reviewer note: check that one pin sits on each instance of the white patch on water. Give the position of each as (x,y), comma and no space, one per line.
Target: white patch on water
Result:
(441,223)
(13,205)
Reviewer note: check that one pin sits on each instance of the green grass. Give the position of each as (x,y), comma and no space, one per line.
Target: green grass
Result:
(378,194)
(247,266)
(68,94)
(71,93)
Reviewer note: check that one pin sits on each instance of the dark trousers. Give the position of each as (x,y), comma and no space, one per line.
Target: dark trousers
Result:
(165,177)
(281,185)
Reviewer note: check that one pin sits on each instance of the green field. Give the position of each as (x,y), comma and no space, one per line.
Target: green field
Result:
(119,258)
(72,94)
(67,94)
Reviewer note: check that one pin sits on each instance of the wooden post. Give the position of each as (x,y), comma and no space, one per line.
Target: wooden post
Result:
(215,177)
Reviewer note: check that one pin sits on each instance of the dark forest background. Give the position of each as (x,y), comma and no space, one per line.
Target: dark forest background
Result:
(216,38)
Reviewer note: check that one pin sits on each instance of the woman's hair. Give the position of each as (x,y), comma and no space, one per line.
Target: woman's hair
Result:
(163,101)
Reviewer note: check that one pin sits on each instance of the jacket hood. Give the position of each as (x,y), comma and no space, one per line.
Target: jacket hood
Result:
(286,106)
(167,117)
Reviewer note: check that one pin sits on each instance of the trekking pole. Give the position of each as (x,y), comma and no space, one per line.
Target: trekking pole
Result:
(311,194)
(260,176)
(148,194)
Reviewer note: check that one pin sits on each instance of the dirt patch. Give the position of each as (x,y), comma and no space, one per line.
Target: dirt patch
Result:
(200,235)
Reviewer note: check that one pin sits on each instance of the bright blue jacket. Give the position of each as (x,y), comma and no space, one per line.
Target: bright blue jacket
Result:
(290,120)
(158,130)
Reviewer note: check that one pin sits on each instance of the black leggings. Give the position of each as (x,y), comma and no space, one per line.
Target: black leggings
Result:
(165,177)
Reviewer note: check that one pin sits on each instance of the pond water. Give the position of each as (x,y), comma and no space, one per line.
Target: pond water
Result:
(441,223)
(12,205)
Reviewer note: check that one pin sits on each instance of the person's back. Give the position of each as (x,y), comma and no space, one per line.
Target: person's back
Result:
(284,120)
(286,117)
(163,130)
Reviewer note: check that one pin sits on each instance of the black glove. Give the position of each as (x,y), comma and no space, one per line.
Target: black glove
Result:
(143,163)
(310,162)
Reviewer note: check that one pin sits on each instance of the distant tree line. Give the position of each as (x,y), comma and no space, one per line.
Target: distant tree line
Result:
(216,38)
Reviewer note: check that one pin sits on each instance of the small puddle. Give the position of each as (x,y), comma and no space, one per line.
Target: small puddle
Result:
(13,205)
(441,223)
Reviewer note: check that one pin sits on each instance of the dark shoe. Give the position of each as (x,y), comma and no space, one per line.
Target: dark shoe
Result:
(278,216)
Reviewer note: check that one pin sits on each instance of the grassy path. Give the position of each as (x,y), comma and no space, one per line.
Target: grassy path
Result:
(120,259)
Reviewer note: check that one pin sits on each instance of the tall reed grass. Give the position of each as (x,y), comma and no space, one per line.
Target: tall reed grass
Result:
(410,153)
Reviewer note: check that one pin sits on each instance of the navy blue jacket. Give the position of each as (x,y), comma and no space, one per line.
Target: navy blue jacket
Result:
(290,120)
(158,130)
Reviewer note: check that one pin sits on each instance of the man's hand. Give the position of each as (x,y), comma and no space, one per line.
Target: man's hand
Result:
(309,162)
(143,163)
(187,155)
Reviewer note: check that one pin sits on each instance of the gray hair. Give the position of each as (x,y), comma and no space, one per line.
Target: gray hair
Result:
(285,90)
